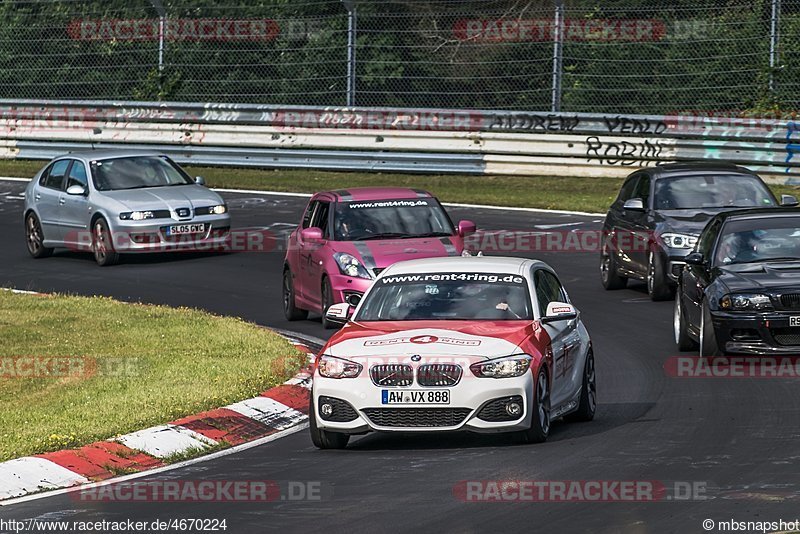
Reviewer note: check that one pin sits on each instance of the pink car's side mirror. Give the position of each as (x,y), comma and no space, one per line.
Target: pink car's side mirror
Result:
(312,235)
(466,228)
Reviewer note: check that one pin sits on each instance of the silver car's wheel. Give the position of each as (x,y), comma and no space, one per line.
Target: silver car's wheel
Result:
(102,245)
(34,237)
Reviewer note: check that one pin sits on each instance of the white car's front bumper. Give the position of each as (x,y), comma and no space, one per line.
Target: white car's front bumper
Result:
(468,398)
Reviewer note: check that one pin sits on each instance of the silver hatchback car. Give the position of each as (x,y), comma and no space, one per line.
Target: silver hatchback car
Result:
(112,201)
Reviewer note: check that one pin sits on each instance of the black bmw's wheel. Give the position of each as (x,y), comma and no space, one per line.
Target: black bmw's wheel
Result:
(708,337)
(658,287)
(35,237)
(609,275)
(682,339)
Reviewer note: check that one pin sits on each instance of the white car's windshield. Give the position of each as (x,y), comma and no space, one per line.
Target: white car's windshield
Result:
(137,172)
(379,219)
(447,296)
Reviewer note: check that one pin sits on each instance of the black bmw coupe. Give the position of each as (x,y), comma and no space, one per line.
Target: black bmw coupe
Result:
(740,290)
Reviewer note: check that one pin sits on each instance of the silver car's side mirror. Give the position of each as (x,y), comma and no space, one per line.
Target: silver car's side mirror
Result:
(77,190)
(199,180)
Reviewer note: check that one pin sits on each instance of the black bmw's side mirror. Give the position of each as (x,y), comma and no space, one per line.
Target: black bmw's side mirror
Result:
(695,258)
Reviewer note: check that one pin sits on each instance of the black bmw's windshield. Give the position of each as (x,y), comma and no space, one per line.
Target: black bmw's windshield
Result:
(137,172)
(448,296)
(759,240)
(708,191)
(387,219)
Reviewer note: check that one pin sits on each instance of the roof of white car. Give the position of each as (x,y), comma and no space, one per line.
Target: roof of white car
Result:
(473,264)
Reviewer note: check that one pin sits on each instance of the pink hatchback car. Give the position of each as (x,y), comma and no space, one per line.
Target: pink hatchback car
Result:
(348,237)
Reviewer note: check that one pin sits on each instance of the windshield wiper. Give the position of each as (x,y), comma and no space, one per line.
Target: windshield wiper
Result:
(385,235)
(434,234)
(766,260)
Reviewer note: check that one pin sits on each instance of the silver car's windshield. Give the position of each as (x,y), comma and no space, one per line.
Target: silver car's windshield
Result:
(447,296)
(136,172)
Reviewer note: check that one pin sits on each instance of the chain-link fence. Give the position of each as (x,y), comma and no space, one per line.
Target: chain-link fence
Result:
(623,56)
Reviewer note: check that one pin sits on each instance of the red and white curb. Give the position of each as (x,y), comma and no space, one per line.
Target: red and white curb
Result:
(274,411)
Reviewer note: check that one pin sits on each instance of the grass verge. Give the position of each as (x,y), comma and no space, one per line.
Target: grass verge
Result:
(121,367)
(576,194)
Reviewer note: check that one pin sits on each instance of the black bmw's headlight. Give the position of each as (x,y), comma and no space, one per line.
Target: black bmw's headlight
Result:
(746,302)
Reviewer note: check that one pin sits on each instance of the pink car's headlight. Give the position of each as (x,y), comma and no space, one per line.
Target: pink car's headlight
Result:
(349,265)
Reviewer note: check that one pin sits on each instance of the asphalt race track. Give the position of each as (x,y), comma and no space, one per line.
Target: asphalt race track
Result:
(734,438)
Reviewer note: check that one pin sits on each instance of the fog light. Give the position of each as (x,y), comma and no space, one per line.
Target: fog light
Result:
(326,409)
(513,409)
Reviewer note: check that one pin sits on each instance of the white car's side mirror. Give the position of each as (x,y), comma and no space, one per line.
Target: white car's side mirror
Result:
(559,311)
(339,313)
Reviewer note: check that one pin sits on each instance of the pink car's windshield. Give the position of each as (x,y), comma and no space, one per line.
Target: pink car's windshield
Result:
(447,296)
(384,219)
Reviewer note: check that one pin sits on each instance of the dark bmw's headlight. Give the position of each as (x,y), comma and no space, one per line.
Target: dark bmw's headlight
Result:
(681,241)
(745,302)
(509,367)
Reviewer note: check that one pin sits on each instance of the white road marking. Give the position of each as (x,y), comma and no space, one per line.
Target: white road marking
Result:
(25,475)
(165,440)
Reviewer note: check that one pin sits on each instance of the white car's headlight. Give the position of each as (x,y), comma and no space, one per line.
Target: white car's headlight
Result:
(673,240)
(332,367)
(746,302)
(507,367)
(350,266)
(136,215)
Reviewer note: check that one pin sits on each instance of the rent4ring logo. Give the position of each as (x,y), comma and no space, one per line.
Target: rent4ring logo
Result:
(578,491)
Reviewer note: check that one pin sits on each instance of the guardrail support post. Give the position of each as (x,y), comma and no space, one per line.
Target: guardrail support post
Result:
(558,55)
(162,23)
(351,51)
(774,36)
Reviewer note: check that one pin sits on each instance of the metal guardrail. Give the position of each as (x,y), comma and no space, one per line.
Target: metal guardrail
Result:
(404,140)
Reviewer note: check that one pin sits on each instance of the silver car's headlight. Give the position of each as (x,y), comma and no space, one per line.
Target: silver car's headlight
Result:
(508,367)
(136,215)
(746,302)
(350,266)
(673,240)
(219,209)
(332,367)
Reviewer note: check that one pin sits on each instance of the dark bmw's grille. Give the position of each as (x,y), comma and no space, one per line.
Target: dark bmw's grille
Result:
(791,301)
(786,336)
(417,417)
(439,374)
(495,410)
(343,412)
(392,375)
